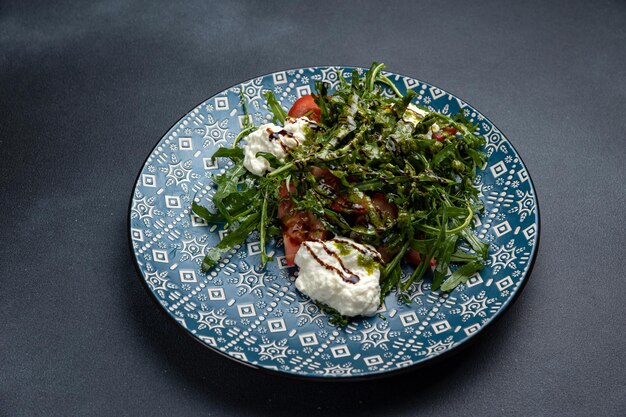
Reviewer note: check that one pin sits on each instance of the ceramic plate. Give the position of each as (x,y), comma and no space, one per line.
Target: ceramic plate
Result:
(256,316)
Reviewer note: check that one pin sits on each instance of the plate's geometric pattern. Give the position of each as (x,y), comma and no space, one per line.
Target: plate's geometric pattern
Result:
(256,315)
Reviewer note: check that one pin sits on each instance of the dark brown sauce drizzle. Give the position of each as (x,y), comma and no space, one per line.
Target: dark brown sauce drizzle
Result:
(311,123)
(276,136)
(351,279)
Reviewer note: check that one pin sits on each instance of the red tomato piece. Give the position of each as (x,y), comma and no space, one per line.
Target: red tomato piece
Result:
(304,105)
(385,253)
(379,200)
(414,258)
(283,189)
(340,205)
(297,228)
(439,136)
(291,248)
(326,177)
(451,130)
(343,205)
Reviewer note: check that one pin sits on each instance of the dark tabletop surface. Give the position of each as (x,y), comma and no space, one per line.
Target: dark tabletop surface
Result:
(86,90)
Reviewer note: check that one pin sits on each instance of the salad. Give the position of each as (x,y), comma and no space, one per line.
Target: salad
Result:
(356,182)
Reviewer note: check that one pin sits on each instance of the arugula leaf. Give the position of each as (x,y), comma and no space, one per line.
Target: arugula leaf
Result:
(478,245)
(385,80)
(372,74)
(432,251)
(271,158)
(321,99)
(446,152)
(236,154)
(238,202)
(227,184)
(463,257)
(277,111)
(204,213)
(392,272)
(244,106)
(245,132)
(461,275)
(262,228)
(444,253)
(401,107)
(234,237)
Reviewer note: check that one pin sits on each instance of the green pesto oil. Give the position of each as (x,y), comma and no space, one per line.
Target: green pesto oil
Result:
(344,248)
(367,263)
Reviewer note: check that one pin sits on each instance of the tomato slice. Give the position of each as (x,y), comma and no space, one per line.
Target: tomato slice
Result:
(414,258)
(303,105)
(385,253)
(379,200)
(298,226)
(451,130)
(291,248)
(345,206)
(326,177)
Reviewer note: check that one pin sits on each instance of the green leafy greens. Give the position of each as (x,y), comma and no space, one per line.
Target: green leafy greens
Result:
(367,144)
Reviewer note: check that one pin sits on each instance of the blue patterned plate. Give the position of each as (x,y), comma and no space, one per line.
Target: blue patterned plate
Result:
(256,316)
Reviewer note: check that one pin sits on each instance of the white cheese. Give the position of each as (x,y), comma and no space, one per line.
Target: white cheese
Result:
(273,139)
(340,273)
(413,114)
(298,126)
(434,128)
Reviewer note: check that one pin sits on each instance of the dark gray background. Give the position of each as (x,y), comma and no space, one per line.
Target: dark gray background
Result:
(86,90)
